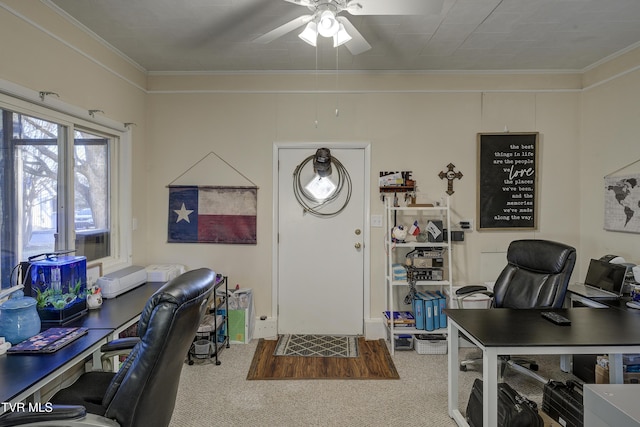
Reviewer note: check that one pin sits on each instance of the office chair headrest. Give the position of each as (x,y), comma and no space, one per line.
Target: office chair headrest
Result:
(542,256)
(175,292)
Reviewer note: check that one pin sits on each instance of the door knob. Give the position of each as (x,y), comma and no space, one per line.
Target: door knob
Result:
(358,231)
(358,245)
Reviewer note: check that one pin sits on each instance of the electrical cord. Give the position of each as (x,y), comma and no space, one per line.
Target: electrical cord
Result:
(412,292)
(312,204)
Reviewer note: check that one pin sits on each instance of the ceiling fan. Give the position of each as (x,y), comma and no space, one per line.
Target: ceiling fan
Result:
(326,20)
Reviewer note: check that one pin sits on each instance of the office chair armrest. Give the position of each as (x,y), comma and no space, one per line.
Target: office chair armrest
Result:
(469,290)
(120,345)
(49,413)
(115,348)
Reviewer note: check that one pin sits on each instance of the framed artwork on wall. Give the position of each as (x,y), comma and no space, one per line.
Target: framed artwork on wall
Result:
(622,203)
(507,181)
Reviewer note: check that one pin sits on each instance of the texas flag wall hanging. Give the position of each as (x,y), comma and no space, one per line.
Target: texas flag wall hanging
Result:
(207,214)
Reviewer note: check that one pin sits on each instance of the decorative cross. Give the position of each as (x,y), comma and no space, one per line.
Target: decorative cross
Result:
(450,175)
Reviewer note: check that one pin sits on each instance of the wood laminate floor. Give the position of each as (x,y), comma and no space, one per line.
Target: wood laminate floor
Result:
(373,362)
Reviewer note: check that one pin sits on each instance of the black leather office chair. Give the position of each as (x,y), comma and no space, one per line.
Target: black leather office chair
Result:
(537,276)
(143,391)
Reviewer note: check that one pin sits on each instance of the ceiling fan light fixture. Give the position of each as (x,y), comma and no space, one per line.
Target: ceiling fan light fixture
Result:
(341,37)
(328,25)
(310,33)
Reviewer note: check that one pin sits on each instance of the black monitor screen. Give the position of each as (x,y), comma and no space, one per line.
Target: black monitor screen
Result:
(606,276)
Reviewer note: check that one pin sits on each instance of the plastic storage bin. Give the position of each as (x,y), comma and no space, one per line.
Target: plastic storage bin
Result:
(473,301)
(403,342)
(430,344)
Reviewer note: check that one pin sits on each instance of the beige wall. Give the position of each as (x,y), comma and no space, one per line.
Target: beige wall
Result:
(409,129)
(609,145)
(418,122)
(42,52)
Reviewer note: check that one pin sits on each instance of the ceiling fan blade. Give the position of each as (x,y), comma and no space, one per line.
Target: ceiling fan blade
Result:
(283,29)
(394,7)
(300,2)
(357,44)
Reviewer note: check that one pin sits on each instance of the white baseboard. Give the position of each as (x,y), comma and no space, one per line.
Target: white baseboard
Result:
(267,328)
(374,329)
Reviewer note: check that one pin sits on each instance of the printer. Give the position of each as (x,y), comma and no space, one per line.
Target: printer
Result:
(121,281)
(629,275)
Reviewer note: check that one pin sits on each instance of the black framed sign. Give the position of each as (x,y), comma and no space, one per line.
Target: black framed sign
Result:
(507,181)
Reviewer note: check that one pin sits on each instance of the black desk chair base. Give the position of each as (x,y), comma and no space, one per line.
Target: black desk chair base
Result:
(515,364)
(64,416)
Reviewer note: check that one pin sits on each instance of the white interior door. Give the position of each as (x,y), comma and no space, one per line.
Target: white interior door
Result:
(320,277)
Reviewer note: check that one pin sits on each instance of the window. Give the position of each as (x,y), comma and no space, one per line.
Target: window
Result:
(58,190)
(91,196)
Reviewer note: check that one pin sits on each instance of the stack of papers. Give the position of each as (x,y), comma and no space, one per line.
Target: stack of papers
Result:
(401,318)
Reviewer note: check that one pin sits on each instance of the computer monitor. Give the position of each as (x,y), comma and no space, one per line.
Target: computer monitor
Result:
(606,276)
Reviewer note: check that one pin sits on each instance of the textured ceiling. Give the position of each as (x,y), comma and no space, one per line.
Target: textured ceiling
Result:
(216,35)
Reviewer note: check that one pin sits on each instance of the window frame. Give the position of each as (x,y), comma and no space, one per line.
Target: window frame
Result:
(120,152)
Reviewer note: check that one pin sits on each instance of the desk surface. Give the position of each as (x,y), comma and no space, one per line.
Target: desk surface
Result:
(519,331)
(620,303)
(20,372)
(116,312)
(502,327)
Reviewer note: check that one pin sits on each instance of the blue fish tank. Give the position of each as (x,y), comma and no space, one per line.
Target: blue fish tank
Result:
(59,285)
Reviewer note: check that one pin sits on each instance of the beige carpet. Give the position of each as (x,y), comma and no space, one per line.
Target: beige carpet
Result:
(212,395)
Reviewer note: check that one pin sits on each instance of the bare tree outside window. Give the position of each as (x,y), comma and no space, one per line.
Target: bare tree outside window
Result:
(38,168)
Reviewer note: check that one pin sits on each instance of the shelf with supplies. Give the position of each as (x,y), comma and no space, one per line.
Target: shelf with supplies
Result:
(213,334)
(418,270)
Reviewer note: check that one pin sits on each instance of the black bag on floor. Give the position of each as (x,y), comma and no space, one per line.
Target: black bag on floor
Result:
(514,410)
(563,402)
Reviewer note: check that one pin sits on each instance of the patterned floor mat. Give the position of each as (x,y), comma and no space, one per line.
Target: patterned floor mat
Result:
(317,346)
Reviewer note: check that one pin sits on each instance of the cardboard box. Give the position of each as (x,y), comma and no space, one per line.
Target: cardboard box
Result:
(602,376)
(547,420)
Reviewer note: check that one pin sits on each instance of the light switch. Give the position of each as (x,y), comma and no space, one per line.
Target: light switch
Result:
(376,220)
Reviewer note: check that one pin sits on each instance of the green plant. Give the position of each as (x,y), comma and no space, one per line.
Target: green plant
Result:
(76,288)
(41,297)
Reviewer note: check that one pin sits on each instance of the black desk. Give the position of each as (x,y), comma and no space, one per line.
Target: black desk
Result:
(120,312)
(574,295)
(23,375)
(583,365)
(522,332)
